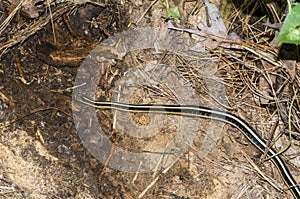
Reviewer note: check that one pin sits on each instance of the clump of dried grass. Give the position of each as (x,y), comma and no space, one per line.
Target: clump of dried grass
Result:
(14,30)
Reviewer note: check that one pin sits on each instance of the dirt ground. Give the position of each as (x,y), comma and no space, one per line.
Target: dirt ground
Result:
(43,153)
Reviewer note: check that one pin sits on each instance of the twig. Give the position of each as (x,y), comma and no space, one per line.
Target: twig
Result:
(145,12)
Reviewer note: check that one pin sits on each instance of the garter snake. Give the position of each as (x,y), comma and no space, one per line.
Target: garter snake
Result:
(205,112)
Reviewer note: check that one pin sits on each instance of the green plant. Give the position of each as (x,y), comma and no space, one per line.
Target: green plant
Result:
(290,31)
(172,13)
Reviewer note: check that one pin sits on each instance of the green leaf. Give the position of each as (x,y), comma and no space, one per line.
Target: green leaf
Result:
(173,13)
(290,31)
